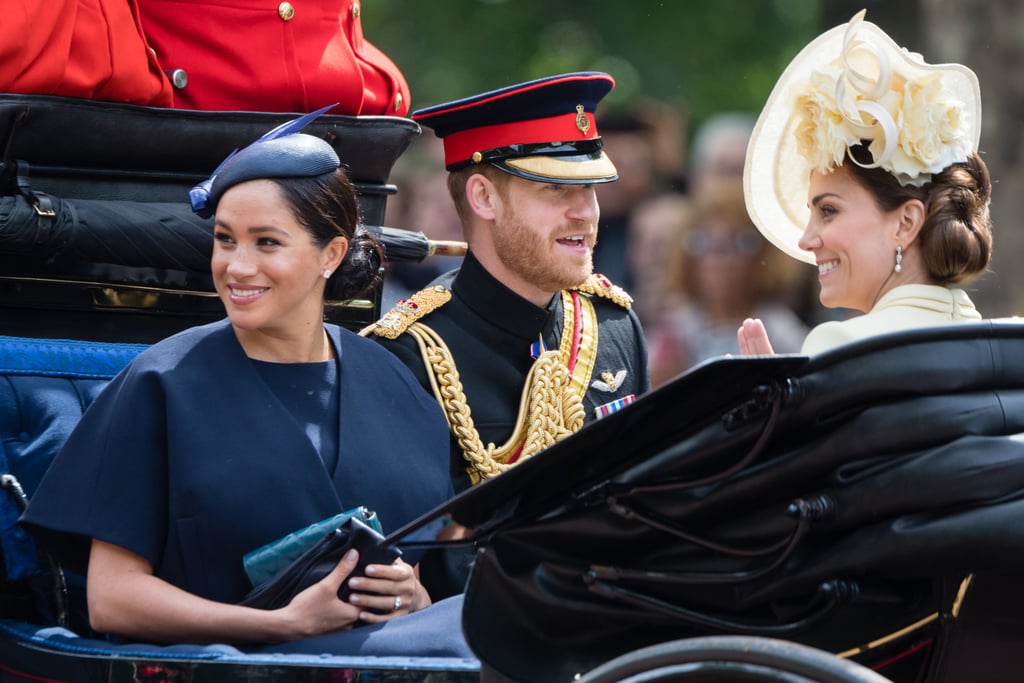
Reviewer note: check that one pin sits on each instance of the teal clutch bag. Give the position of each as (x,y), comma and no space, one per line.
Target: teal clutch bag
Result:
(266,561)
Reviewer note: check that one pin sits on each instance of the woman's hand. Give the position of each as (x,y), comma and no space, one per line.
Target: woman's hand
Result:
(317,609)
(390,589)
(753,338)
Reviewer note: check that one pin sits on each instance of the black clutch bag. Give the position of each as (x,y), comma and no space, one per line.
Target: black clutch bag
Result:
(266,562)
(318,561)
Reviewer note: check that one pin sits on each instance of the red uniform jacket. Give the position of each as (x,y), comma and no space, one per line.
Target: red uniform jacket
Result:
(273,56)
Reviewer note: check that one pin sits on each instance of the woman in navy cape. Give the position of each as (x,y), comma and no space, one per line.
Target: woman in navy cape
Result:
(227,436)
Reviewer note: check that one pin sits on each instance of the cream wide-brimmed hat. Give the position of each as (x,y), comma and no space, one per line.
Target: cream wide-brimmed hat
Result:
(853,83)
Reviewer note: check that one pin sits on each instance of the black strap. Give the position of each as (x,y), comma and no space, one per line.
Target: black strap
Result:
(40,201)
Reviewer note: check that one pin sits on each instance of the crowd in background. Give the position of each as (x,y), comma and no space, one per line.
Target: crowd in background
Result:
(674,232)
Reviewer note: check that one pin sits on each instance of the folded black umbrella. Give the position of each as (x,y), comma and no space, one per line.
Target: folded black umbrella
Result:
(409,245)
(143,234)
(148,234)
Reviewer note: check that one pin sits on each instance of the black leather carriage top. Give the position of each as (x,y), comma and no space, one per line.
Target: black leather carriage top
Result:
(848,501)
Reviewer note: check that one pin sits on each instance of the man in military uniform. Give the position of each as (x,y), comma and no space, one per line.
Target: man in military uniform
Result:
(523,344)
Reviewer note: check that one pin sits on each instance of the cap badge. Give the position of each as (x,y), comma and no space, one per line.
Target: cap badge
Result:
(582,122)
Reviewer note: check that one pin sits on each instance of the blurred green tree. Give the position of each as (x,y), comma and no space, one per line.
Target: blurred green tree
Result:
(701,56)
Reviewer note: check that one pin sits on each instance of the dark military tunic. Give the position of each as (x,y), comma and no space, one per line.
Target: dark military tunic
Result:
(490,329)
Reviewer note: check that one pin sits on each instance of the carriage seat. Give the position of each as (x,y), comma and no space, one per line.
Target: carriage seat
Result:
(45,386)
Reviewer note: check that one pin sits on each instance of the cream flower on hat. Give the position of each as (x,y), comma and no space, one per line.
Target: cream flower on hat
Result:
(854,84)
(932,132)
(822,136)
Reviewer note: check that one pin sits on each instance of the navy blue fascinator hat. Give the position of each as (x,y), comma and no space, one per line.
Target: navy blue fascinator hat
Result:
(284,152)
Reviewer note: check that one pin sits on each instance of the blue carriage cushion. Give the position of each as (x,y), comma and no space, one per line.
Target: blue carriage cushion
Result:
(45,386)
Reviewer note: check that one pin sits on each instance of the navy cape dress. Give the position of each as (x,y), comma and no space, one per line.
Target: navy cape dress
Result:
(188,459)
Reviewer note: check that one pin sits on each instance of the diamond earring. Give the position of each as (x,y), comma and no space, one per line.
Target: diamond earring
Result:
(327,273)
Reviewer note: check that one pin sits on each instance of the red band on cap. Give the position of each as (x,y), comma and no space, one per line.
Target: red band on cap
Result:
(460,146)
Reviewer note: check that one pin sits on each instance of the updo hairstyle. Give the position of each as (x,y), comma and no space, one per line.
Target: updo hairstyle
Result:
(326,206)
(956,238)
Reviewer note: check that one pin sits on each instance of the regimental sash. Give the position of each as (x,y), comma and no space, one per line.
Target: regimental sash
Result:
(579,339)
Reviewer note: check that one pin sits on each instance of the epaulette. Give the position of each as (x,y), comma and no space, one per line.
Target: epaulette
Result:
(407,311)
(599,285)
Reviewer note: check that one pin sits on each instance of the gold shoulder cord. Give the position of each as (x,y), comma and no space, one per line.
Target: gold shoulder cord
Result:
(551,404)
(549,409)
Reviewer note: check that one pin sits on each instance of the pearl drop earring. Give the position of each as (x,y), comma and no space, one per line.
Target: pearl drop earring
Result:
(899,258)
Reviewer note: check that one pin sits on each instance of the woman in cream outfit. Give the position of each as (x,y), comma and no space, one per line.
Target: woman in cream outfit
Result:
(864,162)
